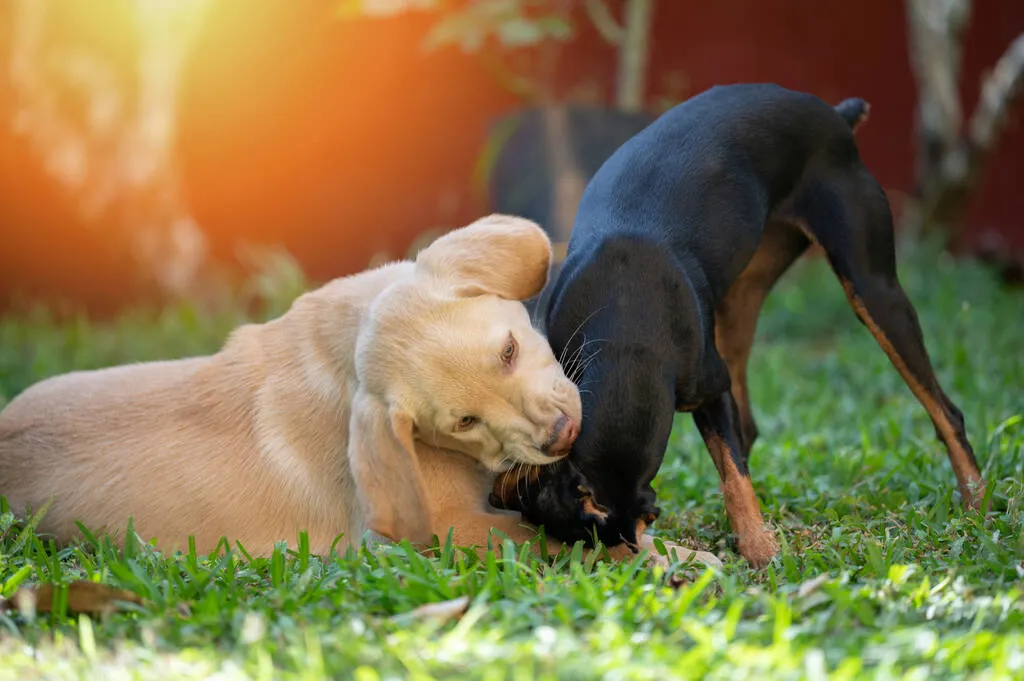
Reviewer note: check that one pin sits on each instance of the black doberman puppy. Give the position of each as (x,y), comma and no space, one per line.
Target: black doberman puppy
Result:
(678,239)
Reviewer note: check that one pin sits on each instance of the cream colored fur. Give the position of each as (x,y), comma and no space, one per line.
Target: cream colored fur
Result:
(340,416)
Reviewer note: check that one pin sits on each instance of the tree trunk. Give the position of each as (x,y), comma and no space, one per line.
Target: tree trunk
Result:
(633,55)
(565,171)
(950,159)
(632,40)
(563,165)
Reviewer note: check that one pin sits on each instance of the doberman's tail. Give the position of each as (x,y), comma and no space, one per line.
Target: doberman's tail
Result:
(854,111)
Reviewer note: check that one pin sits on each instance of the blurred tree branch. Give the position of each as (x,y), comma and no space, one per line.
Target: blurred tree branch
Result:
(480,27)
(950,159)
(485,27)
(604,21)
(472,22)
(521,85)
(490,29)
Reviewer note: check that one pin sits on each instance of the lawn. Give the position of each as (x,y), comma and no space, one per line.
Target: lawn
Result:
(881,574)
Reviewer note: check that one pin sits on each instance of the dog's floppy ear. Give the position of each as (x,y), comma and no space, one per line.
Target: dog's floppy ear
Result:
(389,482)
(499,254)
(590,510)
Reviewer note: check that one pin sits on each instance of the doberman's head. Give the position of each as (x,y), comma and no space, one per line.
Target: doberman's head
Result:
(563,501)
(603,488)
(624,356)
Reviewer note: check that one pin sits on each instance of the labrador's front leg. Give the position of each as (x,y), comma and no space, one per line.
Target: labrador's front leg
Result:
(473,528)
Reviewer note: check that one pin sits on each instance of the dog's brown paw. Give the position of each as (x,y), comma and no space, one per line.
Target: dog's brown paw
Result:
(758,548)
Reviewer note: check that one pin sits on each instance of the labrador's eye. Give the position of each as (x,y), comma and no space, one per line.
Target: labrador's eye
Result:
(465,423)
(508,353)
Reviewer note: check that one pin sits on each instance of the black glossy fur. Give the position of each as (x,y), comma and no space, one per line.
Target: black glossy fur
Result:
(678,239)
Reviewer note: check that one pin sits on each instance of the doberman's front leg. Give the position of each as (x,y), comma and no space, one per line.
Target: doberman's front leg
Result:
(717,424)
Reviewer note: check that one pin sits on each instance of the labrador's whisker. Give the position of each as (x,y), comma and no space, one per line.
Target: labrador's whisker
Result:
(583,365)
(575,360)
(586,364)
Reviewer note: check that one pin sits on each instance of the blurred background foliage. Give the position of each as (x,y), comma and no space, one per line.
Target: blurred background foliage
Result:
(157,150)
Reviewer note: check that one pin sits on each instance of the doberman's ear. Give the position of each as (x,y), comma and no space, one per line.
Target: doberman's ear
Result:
(509,486)
(502,255)
(590,510)
(649,511)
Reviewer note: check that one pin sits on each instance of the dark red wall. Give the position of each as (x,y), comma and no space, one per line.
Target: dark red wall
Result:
(841,49)
(351,139)
(340,139)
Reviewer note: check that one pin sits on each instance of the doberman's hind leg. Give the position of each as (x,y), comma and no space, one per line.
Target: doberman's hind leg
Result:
(717,425)
(737,314)
(853,223)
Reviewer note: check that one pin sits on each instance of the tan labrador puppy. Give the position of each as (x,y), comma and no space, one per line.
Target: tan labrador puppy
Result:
(384,401)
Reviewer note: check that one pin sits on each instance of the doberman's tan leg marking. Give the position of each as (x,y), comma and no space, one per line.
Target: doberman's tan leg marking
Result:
(754,541)
(972,487)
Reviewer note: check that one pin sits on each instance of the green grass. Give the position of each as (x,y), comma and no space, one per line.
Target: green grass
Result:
(881,574)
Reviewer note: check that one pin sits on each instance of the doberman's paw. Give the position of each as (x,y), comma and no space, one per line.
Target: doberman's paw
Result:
(758,548)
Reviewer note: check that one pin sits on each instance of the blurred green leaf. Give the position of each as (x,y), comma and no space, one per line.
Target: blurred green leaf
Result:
(519,32)
(507,21)
(358,9)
